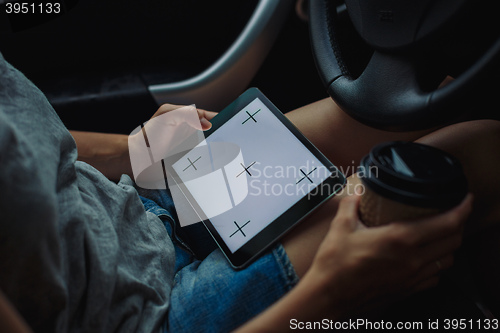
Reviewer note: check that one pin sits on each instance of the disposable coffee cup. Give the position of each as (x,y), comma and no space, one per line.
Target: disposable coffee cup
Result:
(407,181)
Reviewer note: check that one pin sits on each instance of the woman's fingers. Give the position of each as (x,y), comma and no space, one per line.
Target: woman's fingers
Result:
(201,123)
(430,230)
(424,285)
(166,108)
(205,117)
(441,248)
(208,115)
(347,215)
(433,268)
(442,225)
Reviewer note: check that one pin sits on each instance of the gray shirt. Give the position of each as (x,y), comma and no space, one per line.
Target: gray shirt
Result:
(77,251)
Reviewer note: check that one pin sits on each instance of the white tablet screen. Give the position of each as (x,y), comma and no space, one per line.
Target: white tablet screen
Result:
(264,171)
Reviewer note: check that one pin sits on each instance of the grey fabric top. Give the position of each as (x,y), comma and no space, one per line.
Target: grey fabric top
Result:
(77,251)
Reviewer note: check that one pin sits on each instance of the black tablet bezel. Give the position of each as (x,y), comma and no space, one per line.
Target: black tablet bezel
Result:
(281,225)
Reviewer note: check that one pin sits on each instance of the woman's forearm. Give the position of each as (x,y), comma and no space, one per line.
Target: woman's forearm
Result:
(108,153)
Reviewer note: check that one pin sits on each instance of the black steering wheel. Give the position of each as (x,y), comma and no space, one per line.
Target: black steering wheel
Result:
(383,61)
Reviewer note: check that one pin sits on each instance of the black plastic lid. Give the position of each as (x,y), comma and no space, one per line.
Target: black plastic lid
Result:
(414,174)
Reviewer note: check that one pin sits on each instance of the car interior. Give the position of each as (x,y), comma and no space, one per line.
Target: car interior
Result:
(107,65)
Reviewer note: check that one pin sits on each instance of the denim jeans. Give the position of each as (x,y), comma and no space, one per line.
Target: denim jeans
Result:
(208,294)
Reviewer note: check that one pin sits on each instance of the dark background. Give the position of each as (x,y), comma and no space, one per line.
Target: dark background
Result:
(95,61)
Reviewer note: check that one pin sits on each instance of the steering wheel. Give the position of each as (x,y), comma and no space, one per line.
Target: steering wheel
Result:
(383,61)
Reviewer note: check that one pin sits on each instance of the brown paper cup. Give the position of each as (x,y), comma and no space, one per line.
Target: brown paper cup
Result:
(375,210)
(404,181)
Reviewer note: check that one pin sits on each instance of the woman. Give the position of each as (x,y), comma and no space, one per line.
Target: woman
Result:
(97,261)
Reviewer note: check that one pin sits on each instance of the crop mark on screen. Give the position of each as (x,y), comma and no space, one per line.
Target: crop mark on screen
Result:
(306,176)
(191,164)
(251,116)
(245,169)
(239,228)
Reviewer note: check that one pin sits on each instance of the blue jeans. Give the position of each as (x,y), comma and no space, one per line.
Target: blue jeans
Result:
(208,294)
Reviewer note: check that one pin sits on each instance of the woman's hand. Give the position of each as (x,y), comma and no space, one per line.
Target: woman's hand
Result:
(357,268)
(203,115)
(109,153)
(172,129)
(360,267)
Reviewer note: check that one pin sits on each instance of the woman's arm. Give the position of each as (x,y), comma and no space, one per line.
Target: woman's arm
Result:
(358,268)
(106,152)
(109,153)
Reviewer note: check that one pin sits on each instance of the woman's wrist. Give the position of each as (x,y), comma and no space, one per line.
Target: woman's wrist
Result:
(107,153)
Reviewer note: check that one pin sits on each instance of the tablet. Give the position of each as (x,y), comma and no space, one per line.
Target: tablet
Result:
(253,178)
